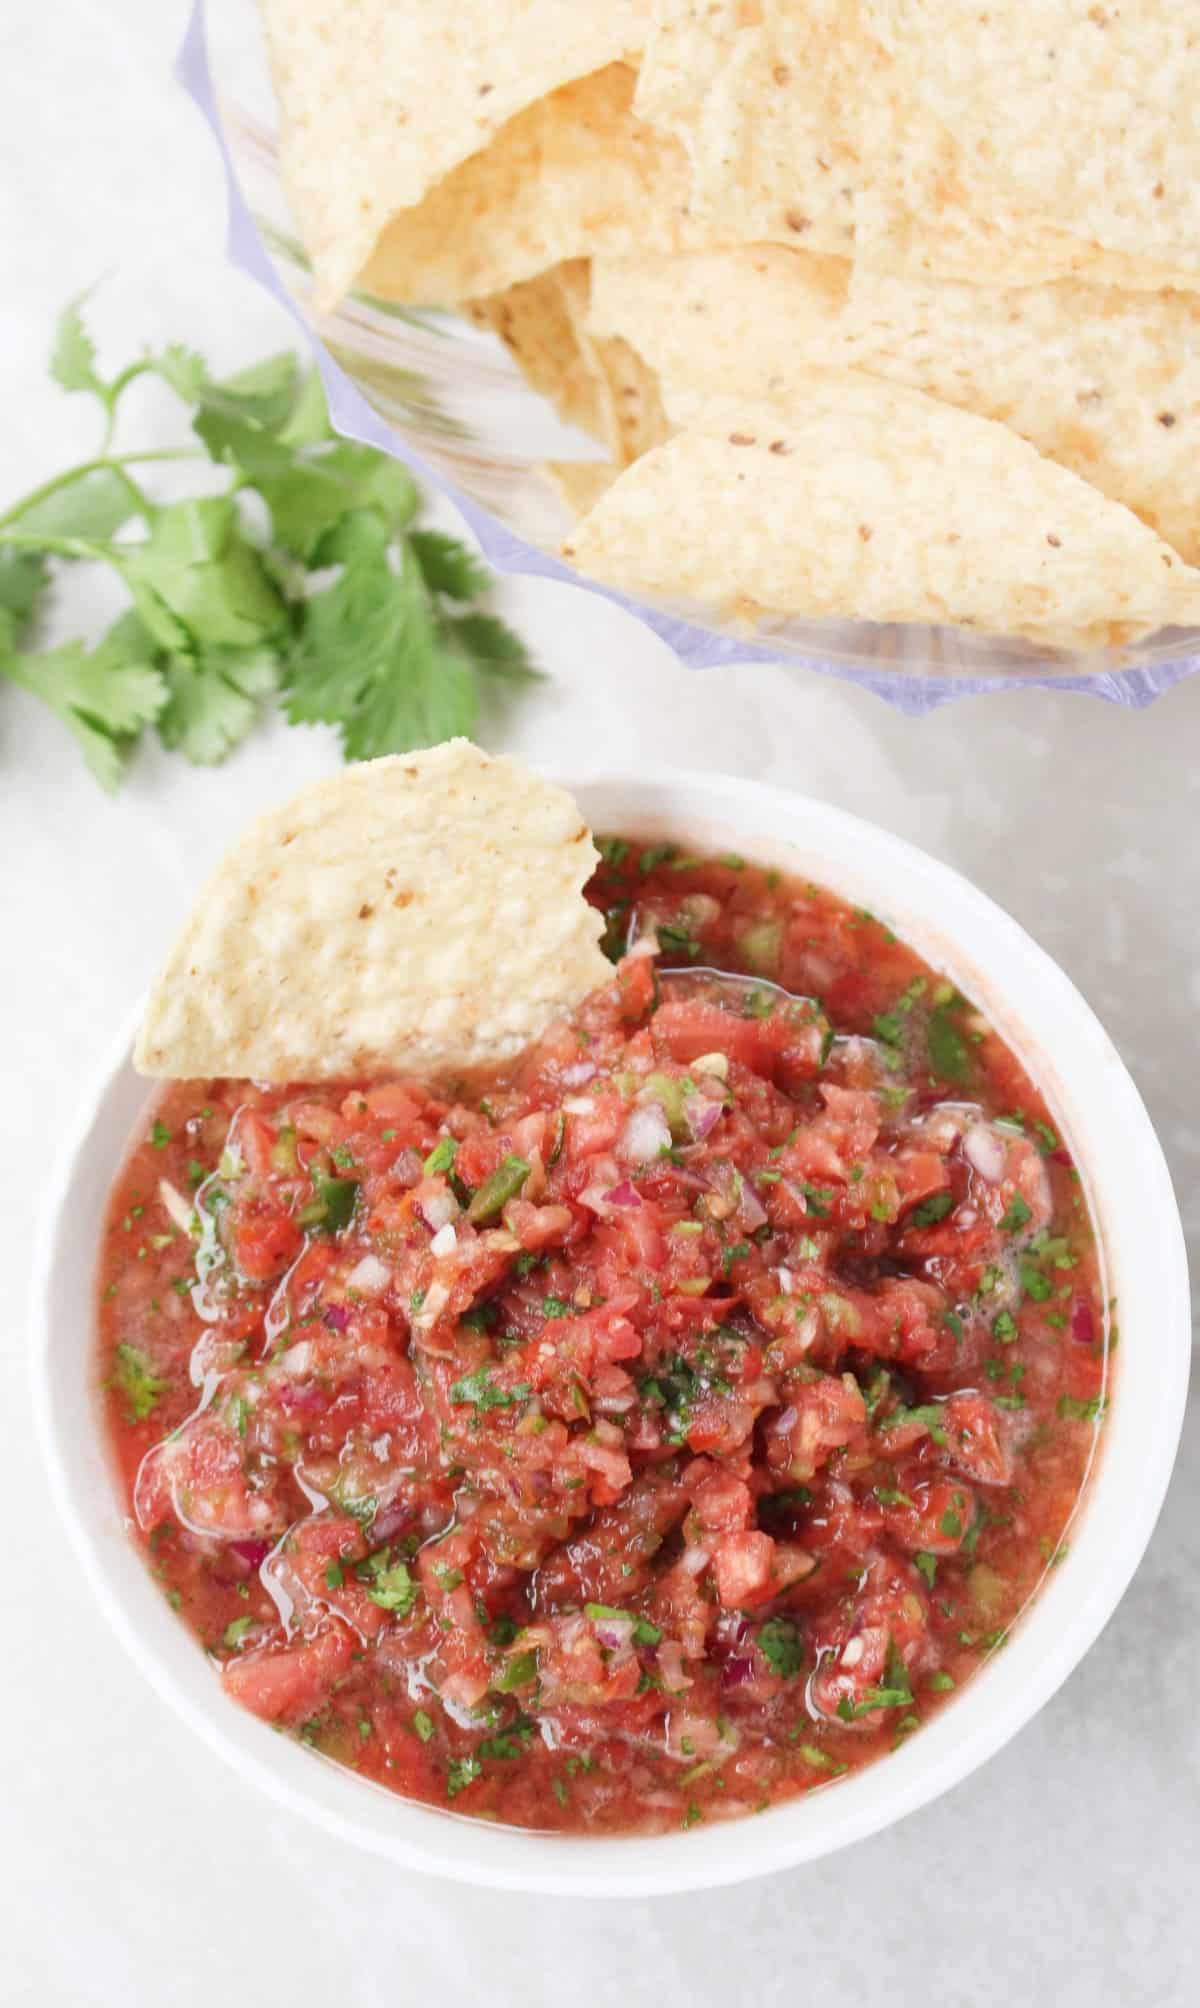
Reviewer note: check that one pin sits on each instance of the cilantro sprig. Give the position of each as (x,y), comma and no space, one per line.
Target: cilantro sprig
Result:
(307,581)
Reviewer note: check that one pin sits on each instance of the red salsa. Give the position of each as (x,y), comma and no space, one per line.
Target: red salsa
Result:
(656,1429)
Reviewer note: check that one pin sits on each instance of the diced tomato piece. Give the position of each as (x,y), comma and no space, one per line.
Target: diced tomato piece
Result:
(742,1568)
(265,1244)
(288,1683)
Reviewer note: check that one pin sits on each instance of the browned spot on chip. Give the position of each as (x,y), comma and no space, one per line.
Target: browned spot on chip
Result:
(1052,539)
(365,911)
(796,220)
(404,899)
(741,439)
(781,73)
(865,532)
(779,446)
(1166,418)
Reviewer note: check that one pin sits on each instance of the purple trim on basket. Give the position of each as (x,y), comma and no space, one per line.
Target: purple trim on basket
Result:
(699,648)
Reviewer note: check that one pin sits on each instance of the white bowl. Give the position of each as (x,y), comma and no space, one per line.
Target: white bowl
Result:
(1100,1113)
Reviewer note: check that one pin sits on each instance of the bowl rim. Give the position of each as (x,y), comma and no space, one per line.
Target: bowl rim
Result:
(1138,1446)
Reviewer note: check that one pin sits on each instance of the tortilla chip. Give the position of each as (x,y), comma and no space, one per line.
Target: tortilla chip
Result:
(603,386)
(581,483)
(630,408)
(381,99)
(862,500)
(749,100)
(1104,382)
(1083,113)
(535,326)
(422,913)
(576,173)
(734,322)
(803,130)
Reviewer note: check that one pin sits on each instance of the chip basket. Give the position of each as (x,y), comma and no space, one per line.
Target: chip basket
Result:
(445,397)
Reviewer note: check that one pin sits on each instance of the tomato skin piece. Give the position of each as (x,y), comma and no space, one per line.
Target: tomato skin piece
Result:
(287,1683)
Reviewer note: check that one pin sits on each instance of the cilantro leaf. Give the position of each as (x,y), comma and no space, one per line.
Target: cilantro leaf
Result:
(928,1416)
(461,1772)
(390,1585)
(73,357)
(367,656)
(491,648)
(103,697)
(309,498)
(931,1210)
(479,1390)
(183,369)
(1019,1215)
(213,700)
(949,1056)
(268,392)
(22,582)
(198,575)
(134,1376)
(781,1645)
(94,505)
(448,566)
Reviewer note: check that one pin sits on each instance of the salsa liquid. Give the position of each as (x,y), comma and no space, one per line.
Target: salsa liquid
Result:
(664,1426)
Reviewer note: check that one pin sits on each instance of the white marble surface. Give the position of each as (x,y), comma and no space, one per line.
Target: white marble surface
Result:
(133,1869)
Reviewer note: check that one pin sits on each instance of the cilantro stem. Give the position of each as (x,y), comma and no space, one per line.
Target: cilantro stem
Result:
(117,462)
(58,547)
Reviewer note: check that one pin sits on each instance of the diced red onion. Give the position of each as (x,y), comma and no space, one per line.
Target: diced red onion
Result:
(337,1317)
(750,1212)
(309,1400)
(614,1632)
(602,1198)
(624,1194)
(298,1358)
(445,1241)
(575,1076)
(701,1116)
(985,1151)
(408,1169)
(646,1135)
(252,1553)
(1083,1323)
(391,1520)
(736,1671)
